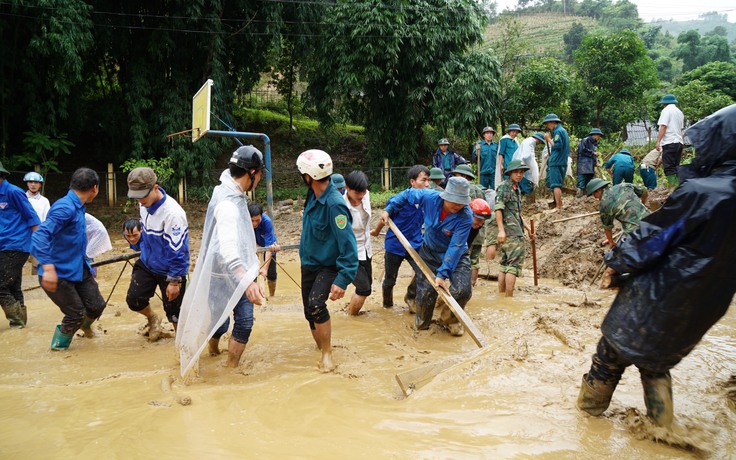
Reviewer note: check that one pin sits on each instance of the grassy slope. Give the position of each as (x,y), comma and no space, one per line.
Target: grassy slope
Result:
(544,31)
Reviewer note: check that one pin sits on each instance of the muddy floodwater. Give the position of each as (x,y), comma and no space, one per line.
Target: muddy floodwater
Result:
(107,397)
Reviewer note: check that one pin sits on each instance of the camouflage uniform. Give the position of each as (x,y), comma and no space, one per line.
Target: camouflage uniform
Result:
(433,186)
(513,250)
(477,246)
(623,203)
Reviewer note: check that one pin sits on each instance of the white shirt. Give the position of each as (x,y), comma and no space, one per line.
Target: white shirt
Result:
(361,215)
(673,118)
(525,153)
(40,204)
(98,241)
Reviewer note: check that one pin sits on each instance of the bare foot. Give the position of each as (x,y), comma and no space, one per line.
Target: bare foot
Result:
(87,332)
(214,346)
(326,365)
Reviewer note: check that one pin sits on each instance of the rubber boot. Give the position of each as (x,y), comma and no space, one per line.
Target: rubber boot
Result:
(86,327)
(673,181)
(24,314)
(61,341)
(271,288)
(388,297)
(658,398)
(595,395)
(14,313)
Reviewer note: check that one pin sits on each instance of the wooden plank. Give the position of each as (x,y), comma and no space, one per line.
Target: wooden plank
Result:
(415,379)
(463,317)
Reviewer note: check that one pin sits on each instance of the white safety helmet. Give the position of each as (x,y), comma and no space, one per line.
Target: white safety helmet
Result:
(317,164)
(33,177)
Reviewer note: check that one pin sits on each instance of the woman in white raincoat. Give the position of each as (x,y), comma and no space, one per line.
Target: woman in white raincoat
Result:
(226,268)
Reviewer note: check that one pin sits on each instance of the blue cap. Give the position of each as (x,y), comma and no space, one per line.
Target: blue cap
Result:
(338,181)
(668,99)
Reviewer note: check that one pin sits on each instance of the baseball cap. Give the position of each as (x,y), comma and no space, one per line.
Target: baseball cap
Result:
(140,182)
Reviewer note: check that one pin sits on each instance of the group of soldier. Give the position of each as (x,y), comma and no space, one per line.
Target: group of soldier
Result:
(443,216)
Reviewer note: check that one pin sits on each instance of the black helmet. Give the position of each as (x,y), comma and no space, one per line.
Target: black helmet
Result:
(248,157)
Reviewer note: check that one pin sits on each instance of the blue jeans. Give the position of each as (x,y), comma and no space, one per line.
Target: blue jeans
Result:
(243,315)
(623,175)
(649,177)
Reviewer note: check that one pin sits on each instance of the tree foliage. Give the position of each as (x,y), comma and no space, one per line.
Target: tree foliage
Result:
(615,68)
(542,86)
(697,100)
(391,57)
(695,51)
(716,76)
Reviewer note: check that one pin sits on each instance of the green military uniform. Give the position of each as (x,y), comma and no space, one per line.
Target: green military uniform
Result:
(623,203)
(513,250)
(433,186)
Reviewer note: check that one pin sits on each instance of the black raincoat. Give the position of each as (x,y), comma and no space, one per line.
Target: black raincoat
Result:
(681,261)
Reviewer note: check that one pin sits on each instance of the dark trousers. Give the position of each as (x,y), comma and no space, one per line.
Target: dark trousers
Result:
(671,156)
(392,264)
(608,365)
(143,283)
(363,281)
(583,180)
(487,180)
(623,175)
(271,275)
(460,287)
(316,285)
(11,277)
(77,299)
(649,177)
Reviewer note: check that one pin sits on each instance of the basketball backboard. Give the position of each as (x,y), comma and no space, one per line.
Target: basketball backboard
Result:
(201,105)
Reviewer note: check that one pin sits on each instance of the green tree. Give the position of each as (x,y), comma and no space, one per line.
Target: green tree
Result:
(573,38)
(621,15)
(542,86)
(390,57)
(615,69)
(716,76)
(697,100)
(43,45)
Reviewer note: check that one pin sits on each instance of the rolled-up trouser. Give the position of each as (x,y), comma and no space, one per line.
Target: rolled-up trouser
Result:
(316,285)
(555,176)
(11,277)
(475,251)
(608,365)
(583,180)
(243,317)
(623,175)
(649,177)
(460,289)
(143,283)
(77,299)
(671,156)
(363,281)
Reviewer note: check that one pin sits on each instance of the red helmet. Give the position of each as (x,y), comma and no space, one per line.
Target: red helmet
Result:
(480,208)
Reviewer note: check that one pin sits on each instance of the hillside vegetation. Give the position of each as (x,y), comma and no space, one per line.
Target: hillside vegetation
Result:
(544,31)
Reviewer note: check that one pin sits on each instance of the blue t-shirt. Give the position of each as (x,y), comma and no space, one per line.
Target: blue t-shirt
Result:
(620,161)
(265,235)
(409,219)
(17,216)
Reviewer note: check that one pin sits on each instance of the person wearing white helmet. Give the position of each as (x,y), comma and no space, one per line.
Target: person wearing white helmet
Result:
(39,202)
(328,250)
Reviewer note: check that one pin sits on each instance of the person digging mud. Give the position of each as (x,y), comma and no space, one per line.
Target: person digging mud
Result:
(447,223)
(265,237)
(60,245)
(18,221)
(327,249)
(227,266)
(623,202)
(164,246)
(475,245)
(679,277)
(409,220)
(510,228)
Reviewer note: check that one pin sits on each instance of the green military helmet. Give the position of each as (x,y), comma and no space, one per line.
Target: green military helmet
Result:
(668,99)
(595,131)
(465,170)
(513,127)
(488,129)
(595,184)
(516,164)
(551,117)
(443,141)
(625,151)
(538,136)
(436,173)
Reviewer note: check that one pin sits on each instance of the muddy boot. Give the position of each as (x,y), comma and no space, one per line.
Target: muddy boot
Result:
(24,314)
(14,313)
(388,297)
(86,327)
(61,341)
(271,288)
(595,395)
(658,398)
(673,181)
(154,328)
(411,303)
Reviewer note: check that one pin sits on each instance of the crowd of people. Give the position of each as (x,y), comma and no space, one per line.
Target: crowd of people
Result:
(443,215)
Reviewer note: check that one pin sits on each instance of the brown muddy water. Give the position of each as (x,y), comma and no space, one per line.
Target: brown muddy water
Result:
(103,398)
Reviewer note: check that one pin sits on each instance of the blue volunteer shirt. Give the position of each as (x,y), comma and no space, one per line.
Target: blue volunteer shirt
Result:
(447,238)
(327,236)
(561,147)
(17,216)
(164,242)
(61,239)
(265,236)
(507,148)
(620,161)
(488,153)
(409,219)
